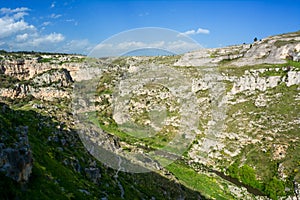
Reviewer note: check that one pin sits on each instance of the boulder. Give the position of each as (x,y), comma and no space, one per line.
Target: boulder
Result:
(93,174)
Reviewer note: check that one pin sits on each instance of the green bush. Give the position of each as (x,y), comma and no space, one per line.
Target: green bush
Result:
(246,174)
(275,188)
(233,170)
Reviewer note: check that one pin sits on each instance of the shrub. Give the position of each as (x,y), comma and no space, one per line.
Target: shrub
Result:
(275,188)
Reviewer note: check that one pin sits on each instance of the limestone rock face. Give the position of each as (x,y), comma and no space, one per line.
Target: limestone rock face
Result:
(252,81)
(272,50)
(48,85)
(61,77)
(28,68)
(42,80)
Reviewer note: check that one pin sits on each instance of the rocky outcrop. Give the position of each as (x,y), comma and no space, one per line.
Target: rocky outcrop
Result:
(16,161)
(212,57)
(48,86)
(296,192)
(256,80)
(28,68)
(61,78)
(93,174)
(272,50)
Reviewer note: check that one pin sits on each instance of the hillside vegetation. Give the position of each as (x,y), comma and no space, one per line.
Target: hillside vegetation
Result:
(211,124)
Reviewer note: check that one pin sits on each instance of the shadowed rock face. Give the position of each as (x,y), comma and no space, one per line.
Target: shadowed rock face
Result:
(93,174)
(16,160)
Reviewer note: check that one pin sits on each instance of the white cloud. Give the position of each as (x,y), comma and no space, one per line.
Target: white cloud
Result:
(46,23)
(53,4)
(38,42)
(55,16)
(73,46)
(16,10)
(194,32)
(17,34)
(182,46)
(204,31)
(19,15)
(136,45)
(110,49)
(22,37)
(9,27)
(133,44)
(13,21)
(46,39)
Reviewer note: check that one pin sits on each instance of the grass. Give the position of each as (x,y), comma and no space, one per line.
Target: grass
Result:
(156,141)
(292,63)
(284,106)
(167,60)
(45,60)
(273,187)
(7,81)
(281,109)
(292,161)
(228,85)
(207,185)
(240,71)
(273,72)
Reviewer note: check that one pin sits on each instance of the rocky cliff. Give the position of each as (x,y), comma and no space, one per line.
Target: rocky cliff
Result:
(229,116)
(16,157)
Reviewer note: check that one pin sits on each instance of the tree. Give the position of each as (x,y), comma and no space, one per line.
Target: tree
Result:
(247,176)
(233,170)
(255,39)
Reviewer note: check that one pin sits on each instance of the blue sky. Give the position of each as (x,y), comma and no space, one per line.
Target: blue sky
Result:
(76,26)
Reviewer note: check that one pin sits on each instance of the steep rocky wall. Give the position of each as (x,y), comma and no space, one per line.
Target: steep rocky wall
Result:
(48,85)
(16,159)
(30,68)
